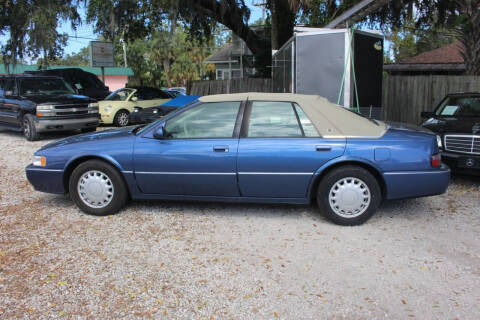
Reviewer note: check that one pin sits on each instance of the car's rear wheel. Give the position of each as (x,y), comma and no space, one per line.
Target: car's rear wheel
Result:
(121,118)
(349,195)
(97,188)
(28,126)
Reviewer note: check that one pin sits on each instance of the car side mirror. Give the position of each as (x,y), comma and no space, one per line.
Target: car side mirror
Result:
(134,99)
(159,133)
(427,114)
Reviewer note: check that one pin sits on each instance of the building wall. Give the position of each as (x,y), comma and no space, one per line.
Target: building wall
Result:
(114,82)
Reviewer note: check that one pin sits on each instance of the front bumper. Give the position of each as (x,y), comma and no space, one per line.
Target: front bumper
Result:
(462,163)
(106,118)
(412,184)
(66,124)
(45,180)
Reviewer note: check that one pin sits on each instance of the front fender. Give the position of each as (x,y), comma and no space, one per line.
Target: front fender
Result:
(104,157)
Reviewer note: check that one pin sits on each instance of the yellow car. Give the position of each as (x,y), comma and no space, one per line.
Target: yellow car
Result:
(119,104)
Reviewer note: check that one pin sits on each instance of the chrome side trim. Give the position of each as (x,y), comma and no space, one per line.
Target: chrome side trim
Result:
(227,173)
(128,172)
(412,172)
(279,173)
(192,173)
(42,169)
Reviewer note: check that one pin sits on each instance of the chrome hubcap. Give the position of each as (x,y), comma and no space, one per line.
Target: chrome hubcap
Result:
(123,119)
(26,128)
(349,197)
(95,189)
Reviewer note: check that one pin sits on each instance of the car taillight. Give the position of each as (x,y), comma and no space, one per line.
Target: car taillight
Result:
(436,160)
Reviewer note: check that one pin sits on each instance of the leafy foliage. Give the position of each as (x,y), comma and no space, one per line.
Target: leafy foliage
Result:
(32,26)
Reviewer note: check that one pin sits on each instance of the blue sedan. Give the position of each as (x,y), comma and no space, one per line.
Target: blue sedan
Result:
(250,147)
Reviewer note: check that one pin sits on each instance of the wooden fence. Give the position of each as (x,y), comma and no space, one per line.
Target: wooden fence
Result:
(204,88)
(405,97)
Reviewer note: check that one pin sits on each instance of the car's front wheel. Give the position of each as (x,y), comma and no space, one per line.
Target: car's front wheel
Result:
(121,118)
(349,195)
(97,188)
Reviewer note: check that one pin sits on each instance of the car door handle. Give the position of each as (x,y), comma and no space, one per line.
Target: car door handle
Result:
(323,148)
(220,148)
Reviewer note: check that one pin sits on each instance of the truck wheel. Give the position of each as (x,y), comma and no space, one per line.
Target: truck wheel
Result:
(29,130)
(97,188)
(121,118)
(349,195)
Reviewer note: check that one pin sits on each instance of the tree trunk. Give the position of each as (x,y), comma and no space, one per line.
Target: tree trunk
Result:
(283,22)
(232,16)
(470,35)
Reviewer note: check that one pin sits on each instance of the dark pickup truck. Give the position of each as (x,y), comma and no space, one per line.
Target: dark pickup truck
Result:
(35,104)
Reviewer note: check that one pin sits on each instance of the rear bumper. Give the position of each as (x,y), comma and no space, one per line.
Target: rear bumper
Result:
(47,125)
(411,184)
(45,180)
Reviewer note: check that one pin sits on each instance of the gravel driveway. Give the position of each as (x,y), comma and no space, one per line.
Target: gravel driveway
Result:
(169,260)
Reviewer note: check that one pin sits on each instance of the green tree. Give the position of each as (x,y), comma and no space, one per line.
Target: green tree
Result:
(32,27)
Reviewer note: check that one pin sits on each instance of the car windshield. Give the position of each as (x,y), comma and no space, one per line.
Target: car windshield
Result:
(119,95)
(47,86)
(460,107)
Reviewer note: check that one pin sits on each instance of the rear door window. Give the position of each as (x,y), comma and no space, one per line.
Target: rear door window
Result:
(273,119)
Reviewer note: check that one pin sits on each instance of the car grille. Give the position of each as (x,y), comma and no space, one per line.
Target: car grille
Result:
(71,109)
(463,143)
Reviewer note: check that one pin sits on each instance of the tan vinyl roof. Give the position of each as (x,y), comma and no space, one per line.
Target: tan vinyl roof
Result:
(331,120)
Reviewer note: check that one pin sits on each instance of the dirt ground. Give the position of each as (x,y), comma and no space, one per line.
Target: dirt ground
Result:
(415,259)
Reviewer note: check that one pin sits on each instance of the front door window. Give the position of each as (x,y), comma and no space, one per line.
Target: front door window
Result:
(209,120)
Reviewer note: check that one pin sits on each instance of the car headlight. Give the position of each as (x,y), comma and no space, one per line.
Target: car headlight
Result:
(45,110)
(155,110)
(107,108)
(136,109)
(93,108)
(45,107)
(39,161)
(439,142)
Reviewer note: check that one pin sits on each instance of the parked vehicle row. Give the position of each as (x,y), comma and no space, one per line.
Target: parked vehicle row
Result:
(42,101)
(272,148)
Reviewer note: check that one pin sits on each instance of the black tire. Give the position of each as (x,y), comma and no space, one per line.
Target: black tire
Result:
(121,118)
(28,128)
(363,184)
(86,130)
(117,200)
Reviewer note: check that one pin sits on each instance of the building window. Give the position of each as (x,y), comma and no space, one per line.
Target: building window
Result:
(236,74)
(226,74)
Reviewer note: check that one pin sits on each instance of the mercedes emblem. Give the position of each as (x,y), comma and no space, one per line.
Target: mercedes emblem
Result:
(470,162)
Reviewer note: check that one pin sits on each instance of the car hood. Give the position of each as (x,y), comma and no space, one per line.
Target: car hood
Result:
(59,99)
(112,134)
(467,125)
